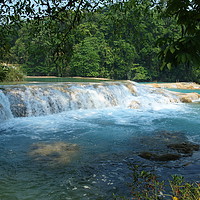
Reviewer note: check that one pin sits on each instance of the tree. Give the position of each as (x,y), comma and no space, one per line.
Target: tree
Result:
(124,56)
(85,61)
(183,51)
(120,35)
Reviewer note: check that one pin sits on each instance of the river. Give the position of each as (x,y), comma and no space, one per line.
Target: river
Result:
(103,125)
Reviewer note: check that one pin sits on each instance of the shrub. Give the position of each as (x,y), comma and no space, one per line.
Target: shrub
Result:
(10,73)
(2,73)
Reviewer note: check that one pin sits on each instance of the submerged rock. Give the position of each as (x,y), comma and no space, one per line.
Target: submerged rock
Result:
(184,148)
(55,153)
(167,146)
(160,157)
(163,138)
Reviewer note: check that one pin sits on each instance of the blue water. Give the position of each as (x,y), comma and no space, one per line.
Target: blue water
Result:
(108,140)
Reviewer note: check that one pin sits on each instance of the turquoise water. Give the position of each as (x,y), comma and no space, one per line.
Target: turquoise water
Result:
(185,91)
(62,79)
(109,139)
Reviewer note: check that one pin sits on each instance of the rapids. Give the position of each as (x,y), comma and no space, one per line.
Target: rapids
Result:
(46,99)
(76,140)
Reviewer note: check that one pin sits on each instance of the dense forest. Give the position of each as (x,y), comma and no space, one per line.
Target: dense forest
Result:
(135,40)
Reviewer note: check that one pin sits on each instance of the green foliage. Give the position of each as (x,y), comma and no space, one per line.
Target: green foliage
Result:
(10,73)
(183,190)
(183,49)
(145,185)
(140,73)
(124,55)
(148,186)
(85,61)
(118,40)
(2,73)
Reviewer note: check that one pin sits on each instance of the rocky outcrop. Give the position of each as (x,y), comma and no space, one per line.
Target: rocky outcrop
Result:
(183,97)
(188,97)
(178,85)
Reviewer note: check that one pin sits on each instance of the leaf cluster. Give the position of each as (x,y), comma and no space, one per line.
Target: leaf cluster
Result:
(148,186)
(186,48)
(10,73)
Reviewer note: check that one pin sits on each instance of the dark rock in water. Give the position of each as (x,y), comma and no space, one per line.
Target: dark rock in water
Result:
(185,148)
(163,138)
(169,137)
(161,157)
(169,145)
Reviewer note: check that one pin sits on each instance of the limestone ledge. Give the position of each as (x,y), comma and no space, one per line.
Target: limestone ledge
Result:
(188,97)
(184,97)
(178,85)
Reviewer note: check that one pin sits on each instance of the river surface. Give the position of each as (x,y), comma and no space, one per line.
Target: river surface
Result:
(107,137)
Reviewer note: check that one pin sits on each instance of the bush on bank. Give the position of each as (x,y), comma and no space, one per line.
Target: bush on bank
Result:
(9,73)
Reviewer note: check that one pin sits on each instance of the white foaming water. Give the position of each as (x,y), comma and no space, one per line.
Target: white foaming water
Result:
(5,112)
(40,100)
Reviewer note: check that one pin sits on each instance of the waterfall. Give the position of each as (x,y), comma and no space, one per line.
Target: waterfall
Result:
(45,99)
(5,111)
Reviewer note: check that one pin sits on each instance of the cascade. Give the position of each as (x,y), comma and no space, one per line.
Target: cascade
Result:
(45,99)
(5,112)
